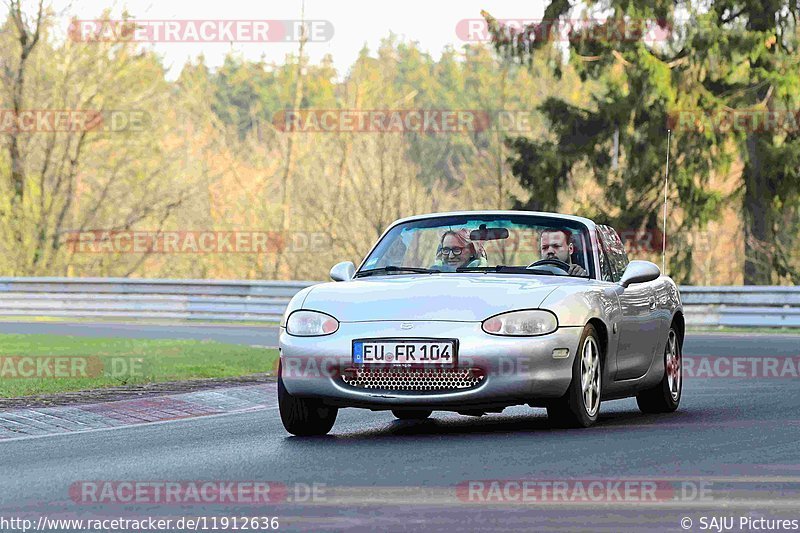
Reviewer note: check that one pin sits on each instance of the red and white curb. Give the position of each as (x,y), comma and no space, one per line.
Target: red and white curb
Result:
(35,422)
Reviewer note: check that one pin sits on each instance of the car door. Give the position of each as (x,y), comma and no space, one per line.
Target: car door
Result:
(639,325)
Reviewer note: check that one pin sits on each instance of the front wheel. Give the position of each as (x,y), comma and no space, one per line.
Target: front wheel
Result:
(580,406)
(417,414)
(666,396)
(302,416)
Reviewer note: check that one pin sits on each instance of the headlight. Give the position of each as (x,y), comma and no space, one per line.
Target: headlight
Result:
(310,324)
(521,323)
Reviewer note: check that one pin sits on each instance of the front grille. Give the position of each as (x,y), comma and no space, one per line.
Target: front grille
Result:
(413,379)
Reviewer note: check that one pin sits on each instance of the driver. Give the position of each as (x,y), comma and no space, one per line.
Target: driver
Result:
(457,250)
(557,244)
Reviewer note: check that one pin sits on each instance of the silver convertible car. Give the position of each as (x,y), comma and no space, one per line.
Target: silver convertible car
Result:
(476,311)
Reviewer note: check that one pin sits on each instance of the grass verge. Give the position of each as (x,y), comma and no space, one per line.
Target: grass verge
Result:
(48,364)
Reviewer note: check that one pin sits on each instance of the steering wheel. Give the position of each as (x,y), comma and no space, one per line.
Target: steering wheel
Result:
(551,262)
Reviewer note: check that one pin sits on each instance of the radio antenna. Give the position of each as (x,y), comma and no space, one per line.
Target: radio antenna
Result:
(664,233)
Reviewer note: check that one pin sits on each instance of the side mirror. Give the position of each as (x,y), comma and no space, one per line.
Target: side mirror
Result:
(343,271)
(639,272)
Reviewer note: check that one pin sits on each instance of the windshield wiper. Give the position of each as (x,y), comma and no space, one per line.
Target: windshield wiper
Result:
(505,269)
(392,268)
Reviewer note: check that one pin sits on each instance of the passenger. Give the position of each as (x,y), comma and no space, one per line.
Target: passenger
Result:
(557,244)
(457,250)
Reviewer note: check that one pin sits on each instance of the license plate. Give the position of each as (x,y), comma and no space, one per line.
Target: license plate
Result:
(404,352)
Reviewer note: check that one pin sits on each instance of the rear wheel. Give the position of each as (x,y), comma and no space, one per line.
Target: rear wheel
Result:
(666,396)
(416,414)
(303,416)
(580,406)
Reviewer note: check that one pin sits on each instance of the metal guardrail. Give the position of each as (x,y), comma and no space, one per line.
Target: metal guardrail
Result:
(264,301)
(260,301)
(748,306)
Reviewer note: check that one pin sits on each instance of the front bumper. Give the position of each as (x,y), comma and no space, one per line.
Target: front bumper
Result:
(517,369)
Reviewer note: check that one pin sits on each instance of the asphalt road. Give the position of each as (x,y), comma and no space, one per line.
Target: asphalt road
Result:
(729,344)
(732,450)
(229,333)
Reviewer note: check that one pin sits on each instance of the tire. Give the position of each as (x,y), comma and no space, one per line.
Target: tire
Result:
(666,396)
(571,409)
(417,414)
(302,416)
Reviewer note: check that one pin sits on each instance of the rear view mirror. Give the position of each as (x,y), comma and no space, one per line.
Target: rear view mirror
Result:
(488,234)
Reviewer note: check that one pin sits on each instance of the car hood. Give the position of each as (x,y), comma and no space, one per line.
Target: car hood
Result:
(454,297)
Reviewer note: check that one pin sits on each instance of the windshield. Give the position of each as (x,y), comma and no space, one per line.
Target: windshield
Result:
(458,243)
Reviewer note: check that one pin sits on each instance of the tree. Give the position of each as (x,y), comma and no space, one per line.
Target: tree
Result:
(112,172)
(724,55)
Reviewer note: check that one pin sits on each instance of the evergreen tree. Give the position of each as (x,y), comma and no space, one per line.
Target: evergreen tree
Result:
(718,56)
